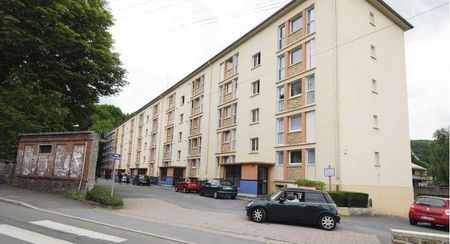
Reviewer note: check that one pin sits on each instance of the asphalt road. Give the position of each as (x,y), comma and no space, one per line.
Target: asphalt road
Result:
(23,225)
(379,226)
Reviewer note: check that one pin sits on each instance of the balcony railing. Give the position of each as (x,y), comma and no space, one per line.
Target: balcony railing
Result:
(294,69)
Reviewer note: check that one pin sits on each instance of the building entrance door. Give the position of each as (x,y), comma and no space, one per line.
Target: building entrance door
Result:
(262,180)
(177,175)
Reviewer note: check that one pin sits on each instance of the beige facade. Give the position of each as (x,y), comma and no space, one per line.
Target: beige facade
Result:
(319,83)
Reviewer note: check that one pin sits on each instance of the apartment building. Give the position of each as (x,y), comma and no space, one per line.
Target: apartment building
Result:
(109,148)
(318,84)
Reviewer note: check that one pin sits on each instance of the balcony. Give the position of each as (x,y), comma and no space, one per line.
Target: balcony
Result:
(295,36)
(195,131)
(196,110)
(226,147)
(195,151)
(196,91)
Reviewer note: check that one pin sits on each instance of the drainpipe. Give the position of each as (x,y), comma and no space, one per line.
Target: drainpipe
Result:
(336,95)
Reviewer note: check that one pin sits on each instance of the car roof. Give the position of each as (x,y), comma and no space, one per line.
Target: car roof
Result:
(302,189)
(442,198)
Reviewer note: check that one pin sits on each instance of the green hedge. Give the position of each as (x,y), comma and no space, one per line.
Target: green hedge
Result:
(319,185)
(350,199)
(432,194)
(103,196)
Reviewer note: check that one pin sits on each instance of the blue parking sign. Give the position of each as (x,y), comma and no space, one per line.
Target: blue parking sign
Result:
(116,156)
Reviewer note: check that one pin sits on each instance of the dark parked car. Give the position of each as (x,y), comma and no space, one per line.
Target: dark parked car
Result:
(296,205)
(218,188)
(433,210)
(188,184)
(141,180)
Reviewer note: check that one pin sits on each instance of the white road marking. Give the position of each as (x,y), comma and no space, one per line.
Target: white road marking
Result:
(77,231)
(29,236)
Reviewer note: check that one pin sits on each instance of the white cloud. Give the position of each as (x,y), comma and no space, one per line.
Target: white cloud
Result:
(160,42)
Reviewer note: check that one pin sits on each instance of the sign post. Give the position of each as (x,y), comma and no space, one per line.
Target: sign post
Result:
(114,157)
(329,172)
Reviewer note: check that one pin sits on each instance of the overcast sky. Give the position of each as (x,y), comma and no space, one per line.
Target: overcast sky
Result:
(161,41)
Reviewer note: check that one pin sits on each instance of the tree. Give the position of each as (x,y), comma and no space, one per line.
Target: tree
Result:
(422,149)
(440,157)
(104,118)
(56,61)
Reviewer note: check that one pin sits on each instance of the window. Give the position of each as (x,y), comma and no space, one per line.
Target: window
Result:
(296,56)
(233,139)
(182,100)
(280,98)
(45,148)
(227,112)
(373,52)
(255,146)
(196,122)
(194,163)
(228,88)
(310,96)
(310,54)
(255,115)
(256,59)
(226,137)
(296,88)
(295,123)
(281,67)
(295,156)
(255,87)
(315,197)
(296,24)
(372,18)
(235,87)
(148,119)
(310,23)
(280,158)
(311,156)
(181,118)
(179,154)
(280,131)
(377,158)
(281,36)
(374,86)
(375,121)
(180,136)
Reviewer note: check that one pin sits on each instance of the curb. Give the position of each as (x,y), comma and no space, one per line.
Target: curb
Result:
(23,204)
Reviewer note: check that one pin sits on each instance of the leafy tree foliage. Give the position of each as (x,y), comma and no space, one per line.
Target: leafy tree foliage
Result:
(104,118)
(56,60)
(440,157)
(422,149)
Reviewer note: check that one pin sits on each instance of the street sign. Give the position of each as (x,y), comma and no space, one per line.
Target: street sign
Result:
(116,156)
(329,172)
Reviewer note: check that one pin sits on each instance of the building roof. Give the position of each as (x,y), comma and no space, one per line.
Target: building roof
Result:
(415,166)
(379,4)
(56,133)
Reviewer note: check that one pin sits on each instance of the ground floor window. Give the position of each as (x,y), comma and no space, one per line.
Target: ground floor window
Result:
(142,171)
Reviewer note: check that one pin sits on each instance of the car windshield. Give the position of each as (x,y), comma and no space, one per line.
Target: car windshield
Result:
(430,202)
(275,195)
(225,183)
(195,180)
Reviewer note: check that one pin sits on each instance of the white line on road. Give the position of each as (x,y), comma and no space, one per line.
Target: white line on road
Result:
(77,231)
(29,236)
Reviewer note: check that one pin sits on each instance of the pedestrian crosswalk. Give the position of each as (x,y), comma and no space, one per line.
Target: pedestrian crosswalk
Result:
(40,238)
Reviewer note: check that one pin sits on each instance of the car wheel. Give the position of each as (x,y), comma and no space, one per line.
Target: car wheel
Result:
(233,197)
(327,222)
(215,195)
(259,215)
(176,189)
(413,221)
(201,193)
(185,190)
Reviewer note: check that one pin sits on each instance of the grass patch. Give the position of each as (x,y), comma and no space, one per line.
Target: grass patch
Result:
(319,185)
(103,196)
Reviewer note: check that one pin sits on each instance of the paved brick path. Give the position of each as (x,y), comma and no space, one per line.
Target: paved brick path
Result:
(161,211)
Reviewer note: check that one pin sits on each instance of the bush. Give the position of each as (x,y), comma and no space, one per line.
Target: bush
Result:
(319,185)
(350,199)
(103,196)
(77,196)
(432,194)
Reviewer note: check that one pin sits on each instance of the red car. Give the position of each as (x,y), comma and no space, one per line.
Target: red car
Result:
(434,210)
(188,184)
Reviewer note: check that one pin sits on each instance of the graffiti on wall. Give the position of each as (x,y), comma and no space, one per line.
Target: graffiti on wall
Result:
(28,160)
(77,161)
(62,161)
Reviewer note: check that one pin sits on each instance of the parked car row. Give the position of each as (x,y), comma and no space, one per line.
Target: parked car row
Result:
(429,209)
(217,188)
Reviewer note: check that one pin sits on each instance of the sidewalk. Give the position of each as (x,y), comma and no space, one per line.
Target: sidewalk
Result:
(60,204)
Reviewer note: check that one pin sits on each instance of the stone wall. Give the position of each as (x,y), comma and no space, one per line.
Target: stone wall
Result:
(7,169)
(413,237)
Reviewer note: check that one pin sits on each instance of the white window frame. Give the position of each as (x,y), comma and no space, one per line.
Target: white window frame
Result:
(310,89)
(291,56)
(226,137)
(254,144)
(256,58)
(291,89)
(281,67)
(290,123)
(281,36)
(255,87)
(300,23)
(255,115)
(280,105)
(227,112)
(310,50)
(228,88)
(290,156)
(277,158)
(280,131)
(311,20)
(311,160)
